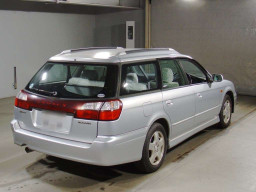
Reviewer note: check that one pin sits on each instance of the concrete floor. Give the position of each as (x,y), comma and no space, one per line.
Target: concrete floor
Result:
(212,160)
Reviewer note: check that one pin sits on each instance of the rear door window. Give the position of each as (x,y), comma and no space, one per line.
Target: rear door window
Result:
(138,78)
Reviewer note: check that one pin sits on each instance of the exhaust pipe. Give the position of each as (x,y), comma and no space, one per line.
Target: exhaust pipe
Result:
(28,150)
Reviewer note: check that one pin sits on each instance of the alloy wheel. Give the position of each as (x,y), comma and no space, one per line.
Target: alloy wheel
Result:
(156,148)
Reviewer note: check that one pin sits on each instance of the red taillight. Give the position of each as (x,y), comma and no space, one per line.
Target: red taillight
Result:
(103,110)
(21,100)
(87,114)
(89,111)
(111,110)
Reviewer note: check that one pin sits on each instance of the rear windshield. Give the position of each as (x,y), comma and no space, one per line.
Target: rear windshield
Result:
(75,80)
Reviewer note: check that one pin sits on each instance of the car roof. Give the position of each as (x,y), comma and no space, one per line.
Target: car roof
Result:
(114,55)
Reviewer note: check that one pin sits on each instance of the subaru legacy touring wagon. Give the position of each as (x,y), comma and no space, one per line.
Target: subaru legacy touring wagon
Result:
(109,106)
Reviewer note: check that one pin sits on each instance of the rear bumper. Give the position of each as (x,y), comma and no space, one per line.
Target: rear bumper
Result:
(104,150)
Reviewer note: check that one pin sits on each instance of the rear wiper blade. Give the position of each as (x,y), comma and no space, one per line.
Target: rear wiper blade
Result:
(54,93)
(74,85)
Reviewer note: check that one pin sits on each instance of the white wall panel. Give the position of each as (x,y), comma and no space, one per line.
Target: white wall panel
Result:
(28,39)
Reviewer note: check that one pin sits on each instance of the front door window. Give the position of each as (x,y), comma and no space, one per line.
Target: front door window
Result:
(194,73)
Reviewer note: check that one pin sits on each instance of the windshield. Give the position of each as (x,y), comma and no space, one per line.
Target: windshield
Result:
(67,80)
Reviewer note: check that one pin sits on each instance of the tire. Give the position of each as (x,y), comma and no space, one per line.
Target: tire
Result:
(225,112)
(153,158)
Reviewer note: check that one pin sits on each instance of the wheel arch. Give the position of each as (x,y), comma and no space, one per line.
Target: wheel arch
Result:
(165,124)
(163,120)
(231,95)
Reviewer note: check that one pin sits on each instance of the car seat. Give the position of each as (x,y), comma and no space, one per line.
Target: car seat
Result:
(167,75)
(132,83)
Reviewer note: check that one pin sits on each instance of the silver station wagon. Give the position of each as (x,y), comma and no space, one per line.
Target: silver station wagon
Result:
(109,106)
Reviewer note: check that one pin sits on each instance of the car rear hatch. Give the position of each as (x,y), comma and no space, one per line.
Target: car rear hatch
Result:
(64,100)
(55,118)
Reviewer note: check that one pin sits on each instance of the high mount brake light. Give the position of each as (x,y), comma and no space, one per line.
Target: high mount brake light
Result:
(102,110)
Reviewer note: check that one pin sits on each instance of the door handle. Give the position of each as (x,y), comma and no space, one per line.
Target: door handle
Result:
(169,102)
(199,95)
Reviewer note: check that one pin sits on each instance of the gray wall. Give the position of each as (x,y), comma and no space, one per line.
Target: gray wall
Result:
(28,39)
(110,28)
(219,34)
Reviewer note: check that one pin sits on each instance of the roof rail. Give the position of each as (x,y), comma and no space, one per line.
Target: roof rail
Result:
(88,48)
(150,49)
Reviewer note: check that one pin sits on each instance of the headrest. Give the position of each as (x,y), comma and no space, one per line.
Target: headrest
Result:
(132,77)
(167,75)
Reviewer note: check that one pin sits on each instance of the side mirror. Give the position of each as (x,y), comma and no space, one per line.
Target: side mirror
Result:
(217,77)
